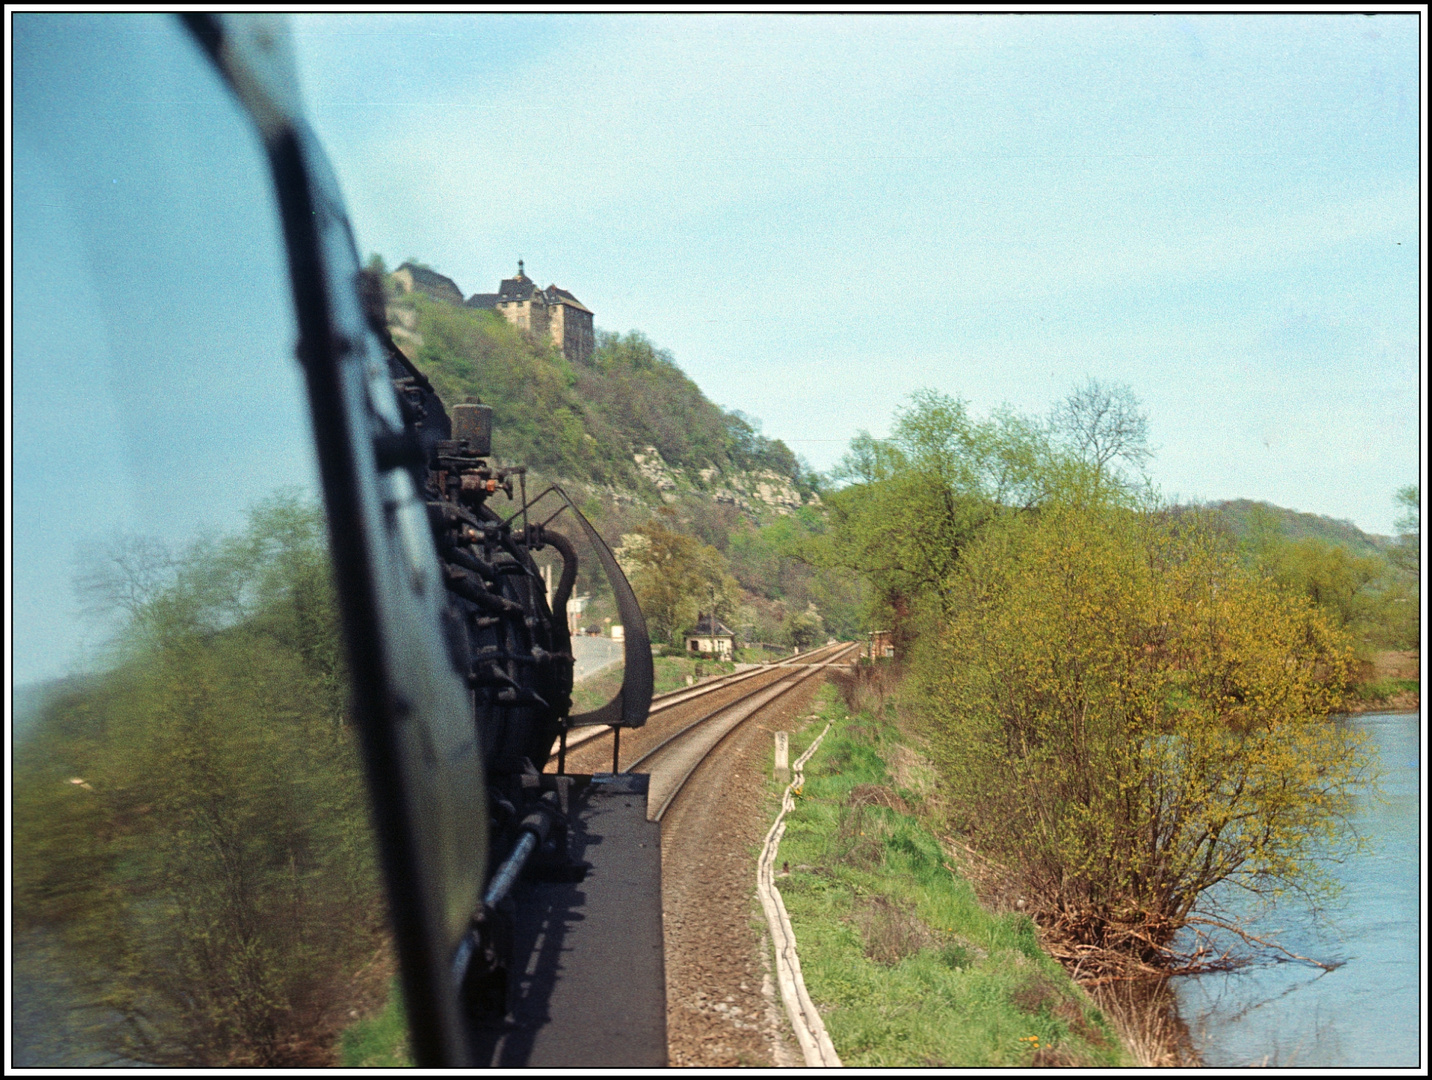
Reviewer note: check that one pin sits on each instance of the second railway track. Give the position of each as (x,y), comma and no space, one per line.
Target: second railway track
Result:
(662,703)
(672,761)
(693,723)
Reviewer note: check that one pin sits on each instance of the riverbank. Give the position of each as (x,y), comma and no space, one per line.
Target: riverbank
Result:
(1141,1015)
(1388,681)
(907,967)
(1166,1021)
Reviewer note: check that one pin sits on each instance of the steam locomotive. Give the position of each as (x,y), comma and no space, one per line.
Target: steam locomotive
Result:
(525,904)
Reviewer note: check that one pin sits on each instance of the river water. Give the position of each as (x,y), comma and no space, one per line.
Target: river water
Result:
(1365,1013)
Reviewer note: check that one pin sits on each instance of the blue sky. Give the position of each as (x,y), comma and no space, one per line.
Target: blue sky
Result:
(819,215)
(155,389)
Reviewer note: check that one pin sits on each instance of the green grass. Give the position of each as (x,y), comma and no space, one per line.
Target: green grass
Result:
(1382,689)
(907,967)
(759,654)
(380,1042)
(671,671)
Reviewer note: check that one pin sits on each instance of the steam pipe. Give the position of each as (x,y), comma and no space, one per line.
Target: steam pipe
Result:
(563,591)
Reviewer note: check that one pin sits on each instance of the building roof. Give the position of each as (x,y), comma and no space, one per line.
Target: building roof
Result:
(486,300)
(704,628)
(562,296)
(431,282)
(518,288)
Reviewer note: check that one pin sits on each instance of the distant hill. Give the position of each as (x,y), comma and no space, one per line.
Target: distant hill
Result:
(628,420)
(1242,514)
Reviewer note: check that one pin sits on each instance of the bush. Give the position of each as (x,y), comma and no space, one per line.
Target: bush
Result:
(1128,716)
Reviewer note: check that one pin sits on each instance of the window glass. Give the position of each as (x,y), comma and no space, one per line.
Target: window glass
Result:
(194,882)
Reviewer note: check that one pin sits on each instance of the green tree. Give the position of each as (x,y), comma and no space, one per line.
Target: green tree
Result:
(1125,713)
(192,825)
(675,577)
(1370,593)
(1328,574)
(803,629)
(914,502)
(1408,551)
(1127,717)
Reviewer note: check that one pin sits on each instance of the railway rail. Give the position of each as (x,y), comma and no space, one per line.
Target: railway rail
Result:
(665,789)
(674,698)
(672,751)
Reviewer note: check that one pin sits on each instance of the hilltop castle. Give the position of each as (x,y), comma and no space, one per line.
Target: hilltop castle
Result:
(549,312)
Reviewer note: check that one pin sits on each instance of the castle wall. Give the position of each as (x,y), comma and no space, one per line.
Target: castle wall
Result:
(572,332)
(525,315)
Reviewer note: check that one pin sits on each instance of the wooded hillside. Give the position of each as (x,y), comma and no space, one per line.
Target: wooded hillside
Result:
(657,466)
(584,421)
(1246,516)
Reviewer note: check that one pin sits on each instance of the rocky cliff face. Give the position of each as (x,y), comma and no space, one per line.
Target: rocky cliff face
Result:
(757,492)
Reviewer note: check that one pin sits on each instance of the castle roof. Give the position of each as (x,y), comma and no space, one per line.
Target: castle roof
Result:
(562,296)
(522,288)
(518,288)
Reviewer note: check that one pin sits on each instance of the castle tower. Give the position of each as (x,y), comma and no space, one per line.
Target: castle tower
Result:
(551,312)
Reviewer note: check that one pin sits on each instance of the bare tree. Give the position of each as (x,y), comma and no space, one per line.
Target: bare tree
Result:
(1408,550)
(123,575)
(1103,423)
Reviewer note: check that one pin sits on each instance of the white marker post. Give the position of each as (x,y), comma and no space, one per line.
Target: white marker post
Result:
(783,755)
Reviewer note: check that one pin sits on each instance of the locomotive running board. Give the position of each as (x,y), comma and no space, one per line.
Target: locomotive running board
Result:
(593,993)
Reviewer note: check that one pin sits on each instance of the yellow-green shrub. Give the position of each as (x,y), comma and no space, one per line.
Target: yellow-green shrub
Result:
(1130,717)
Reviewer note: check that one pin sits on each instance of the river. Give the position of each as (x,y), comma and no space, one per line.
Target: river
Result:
(1367,1012)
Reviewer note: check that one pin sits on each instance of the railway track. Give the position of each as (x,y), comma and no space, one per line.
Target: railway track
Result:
(688,725)
(704,751)
(663,703)
(673,760)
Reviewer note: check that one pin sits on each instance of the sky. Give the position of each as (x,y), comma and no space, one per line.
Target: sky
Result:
(817,215)
(821,214)
(155,390)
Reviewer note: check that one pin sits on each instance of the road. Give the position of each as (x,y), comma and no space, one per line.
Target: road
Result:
(593,654)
